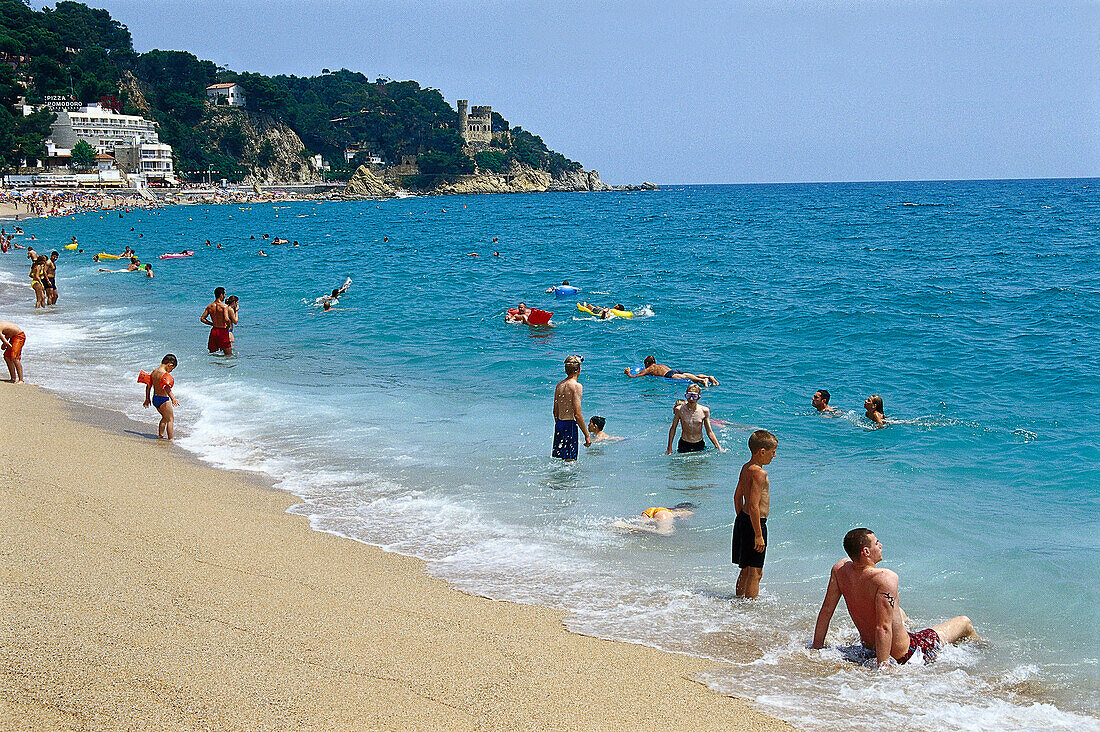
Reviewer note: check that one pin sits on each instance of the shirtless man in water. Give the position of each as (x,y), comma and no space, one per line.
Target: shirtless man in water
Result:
(652,368)
(693,418)
(820,402)
(871,595)
(567,412)
(219,317)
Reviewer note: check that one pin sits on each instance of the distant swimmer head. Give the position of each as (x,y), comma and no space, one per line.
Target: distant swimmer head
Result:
(336,292)
(169,360)
(573,364)
(874,401)
(219,293)
(232,300)
(327,306)
(599,422)
(565,282)
(821,398)
(649,360)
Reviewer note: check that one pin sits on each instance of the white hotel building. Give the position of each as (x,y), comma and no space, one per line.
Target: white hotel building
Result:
(132,140)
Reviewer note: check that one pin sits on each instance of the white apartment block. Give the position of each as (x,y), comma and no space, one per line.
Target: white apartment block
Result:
(132,140)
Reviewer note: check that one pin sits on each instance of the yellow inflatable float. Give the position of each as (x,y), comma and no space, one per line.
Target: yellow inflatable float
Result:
(609,312)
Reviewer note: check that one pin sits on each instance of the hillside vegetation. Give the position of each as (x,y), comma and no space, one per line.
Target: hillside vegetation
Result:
(74,49)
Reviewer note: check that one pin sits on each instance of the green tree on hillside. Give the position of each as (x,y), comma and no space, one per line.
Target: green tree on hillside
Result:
(491,160)
(21,137)
(83,155)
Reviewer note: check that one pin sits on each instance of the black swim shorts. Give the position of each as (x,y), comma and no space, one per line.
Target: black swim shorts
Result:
(744,542)
(683,446)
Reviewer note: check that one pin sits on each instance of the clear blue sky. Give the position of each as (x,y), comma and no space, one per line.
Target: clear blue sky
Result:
(701,92)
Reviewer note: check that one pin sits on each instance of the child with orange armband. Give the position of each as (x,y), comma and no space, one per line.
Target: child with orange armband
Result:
(158,392)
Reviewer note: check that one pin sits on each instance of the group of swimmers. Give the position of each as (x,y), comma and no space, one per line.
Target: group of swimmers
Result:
(872,406)
(871,594)
(7,241)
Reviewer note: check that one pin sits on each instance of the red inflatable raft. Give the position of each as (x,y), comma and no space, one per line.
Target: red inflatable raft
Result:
(534,316)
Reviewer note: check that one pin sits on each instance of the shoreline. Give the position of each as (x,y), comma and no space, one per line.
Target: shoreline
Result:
(144,587)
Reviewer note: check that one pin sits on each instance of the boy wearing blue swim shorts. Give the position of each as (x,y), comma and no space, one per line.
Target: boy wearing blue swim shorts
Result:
(567,412)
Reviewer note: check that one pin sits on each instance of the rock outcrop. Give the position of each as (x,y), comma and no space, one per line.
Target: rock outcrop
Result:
(517,179)
(271,151)
(579,180)
(365,183)
(522,179)
(130,88)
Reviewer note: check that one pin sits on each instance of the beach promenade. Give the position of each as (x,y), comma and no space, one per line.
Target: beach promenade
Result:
(142,590)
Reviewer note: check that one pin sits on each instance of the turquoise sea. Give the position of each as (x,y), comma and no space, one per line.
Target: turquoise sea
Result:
(413,418)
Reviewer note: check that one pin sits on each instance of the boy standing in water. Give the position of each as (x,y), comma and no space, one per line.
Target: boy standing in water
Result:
(567,412)
(752,501)
(694,420)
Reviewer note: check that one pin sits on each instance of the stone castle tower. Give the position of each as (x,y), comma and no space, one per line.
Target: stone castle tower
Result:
(477,126)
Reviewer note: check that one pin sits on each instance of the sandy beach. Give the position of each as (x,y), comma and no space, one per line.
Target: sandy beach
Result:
(143,590)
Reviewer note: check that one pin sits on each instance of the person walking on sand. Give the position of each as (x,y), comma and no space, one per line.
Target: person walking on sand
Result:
(158,392)
(874,602)
(219,317)
(567,412)
(12,339)
(694,419)
(752,502)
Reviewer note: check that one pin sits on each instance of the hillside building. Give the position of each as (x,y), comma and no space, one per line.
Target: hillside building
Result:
(131,140)
(225,95)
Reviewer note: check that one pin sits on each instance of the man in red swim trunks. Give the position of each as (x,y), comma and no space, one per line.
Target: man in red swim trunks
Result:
(12,339)
(871,595)
(219,317)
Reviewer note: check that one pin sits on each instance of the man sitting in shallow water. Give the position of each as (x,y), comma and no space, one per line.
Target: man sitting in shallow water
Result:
(871,595)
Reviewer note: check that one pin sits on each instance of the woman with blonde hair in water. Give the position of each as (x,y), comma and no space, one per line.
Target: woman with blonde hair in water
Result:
(873,405)
(38,275)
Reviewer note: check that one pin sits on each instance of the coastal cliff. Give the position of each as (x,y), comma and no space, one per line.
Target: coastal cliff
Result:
(270,150)
(366,184)
(517,179)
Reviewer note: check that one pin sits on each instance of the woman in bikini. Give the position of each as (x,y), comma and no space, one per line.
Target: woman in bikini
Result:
(38,275)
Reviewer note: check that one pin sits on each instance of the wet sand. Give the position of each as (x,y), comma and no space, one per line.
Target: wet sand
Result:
(142,590)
